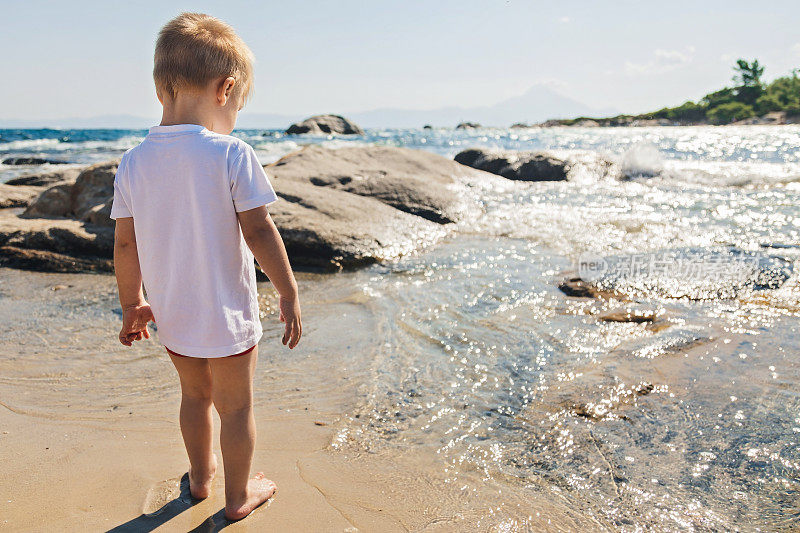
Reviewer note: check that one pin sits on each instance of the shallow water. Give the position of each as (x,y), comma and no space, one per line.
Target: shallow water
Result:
(469,354)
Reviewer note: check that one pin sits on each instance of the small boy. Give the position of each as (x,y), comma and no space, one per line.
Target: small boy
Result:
(197,199)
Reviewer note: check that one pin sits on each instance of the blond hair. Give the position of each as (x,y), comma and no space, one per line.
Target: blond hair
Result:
(194,48)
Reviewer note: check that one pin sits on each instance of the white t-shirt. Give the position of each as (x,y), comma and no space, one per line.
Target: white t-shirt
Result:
(183,186)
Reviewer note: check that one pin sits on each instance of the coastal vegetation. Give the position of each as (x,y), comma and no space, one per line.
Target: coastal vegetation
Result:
(749,99)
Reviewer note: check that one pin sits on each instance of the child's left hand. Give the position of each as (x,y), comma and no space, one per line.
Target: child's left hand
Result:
(134,323)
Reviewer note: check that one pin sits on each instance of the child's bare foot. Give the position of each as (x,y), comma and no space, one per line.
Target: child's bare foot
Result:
(259,490)
(201,487)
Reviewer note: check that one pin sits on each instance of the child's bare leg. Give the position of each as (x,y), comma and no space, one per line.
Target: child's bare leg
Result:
(195,417)
(233,398)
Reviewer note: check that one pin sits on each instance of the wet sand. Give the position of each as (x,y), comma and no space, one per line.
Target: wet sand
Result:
(89,434)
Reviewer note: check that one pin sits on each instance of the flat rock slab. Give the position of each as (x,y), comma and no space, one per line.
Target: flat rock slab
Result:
(33,161)
(46,178)
(17,195)
(46,261)
(54,245)
(692,273)
(414,181)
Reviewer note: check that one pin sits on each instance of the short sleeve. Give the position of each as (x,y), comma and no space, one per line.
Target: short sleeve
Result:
(250,186)
(119,205)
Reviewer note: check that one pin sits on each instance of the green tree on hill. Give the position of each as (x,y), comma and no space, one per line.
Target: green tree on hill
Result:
(749,97)
(782,94)
(748,74)
(748,77)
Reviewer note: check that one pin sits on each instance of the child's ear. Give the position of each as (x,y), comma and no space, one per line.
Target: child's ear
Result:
(225,90)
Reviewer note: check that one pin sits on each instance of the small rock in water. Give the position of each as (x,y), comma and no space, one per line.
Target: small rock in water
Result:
(319,124)
(631,314)
(610,409)
(468,126)
(578,288)
(519,166)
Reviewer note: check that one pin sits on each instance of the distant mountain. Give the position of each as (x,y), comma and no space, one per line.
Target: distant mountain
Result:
(537,104)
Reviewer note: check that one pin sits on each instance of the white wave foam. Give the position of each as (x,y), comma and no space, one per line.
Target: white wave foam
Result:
(642,160)
(56,145)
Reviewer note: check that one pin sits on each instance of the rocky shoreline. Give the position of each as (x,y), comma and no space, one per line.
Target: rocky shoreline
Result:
(342,209)
(339,209)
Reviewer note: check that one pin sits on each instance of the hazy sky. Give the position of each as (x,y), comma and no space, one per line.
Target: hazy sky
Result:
(87,58)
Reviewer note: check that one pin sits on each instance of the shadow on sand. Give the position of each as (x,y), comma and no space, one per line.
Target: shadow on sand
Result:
(148,522)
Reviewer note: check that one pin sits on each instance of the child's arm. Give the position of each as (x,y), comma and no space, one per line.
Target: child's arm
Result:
(136,311)
(265,242)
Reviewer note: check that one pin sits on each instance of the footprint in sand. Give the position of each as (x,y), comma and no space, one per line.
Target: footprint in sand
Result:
(173,492)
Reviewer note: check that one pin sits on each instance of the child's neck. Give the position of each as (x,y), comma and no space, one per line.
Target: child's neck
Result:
(186,109)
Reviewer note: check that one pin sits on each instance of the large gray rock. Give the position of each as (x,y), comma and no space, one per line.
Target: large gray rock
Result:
(330,229)
(522,166)
(66,228)
(353,206)
(320,124)
(86,199)
(23,190)
(414,181)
